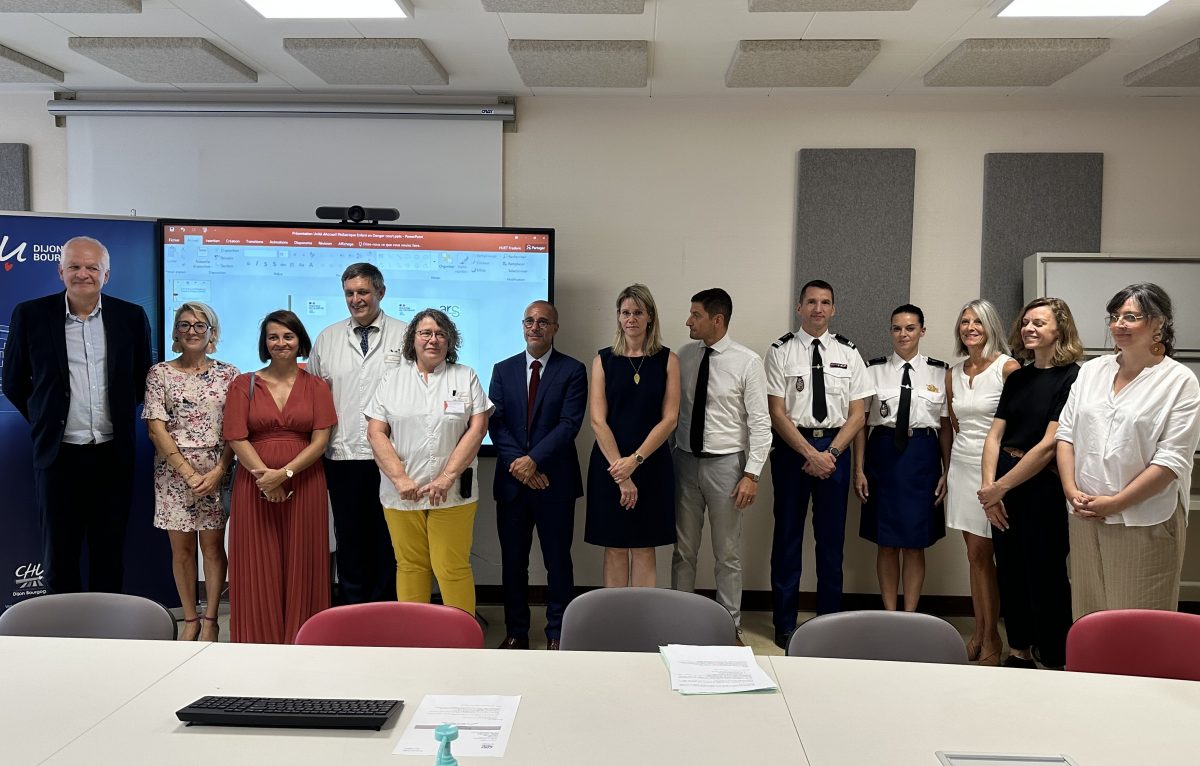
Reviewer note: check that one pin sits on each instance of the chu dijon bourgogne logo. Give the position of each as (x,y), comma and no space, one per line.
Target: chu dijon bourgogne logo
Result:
(29,580)
(12,253)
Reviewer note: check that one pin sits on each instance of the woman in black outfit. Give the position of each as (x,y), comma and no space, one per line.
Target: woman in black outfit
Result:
(1020,492)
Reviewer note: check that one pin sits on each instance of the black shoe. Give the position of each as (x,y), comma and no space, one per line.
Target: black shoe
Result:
(514,642)
(1014,661)
(782,639)
(552,644)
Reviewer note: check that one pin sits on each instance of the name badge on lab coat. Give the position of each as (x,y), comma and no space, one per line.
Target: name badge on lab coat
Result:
(455,407)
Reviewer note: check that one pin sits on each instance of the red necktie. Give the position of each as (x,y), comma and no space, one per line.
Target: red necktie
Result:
(534,378)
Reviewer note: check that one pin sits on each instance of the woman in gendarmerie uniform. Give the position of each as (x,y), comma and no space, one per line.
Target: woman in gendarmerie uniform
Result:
(899,474)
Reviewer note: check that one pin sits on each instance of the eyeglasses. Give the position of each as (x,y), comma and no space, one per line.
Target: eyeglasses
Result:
(541,323)
(1129,318)
(428,335)
(199,327)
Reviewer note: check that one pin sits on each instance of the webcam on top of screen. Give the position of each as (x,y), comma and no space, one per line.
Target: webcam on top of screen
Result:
(358,214)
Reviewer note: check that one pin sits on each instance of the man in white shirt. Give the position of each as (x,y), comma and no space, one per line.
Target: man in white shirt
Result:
(721,444)
(816,388)
(352,356)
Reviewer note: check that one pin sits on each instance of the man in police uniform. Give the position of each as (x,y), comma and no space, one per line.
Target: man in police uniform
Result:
(352,355)
(899,474)
(816,387)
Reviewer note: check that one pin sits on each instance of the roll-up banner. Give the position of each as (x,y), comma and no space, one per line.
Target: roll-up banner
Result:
(29,257)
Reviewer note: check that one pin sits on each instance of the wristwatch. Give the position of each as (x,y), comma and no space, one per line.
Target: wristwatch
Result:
(290,473)
(638,458)
(751,476)
(834,451)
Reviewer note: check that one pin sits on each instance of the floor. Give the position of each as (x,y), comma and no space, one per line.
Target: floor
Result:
(757,631)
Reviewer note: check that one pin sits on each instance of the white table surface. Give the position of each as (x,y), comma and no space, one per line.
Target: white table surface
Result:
(859,713)
(52,690)
(577,708)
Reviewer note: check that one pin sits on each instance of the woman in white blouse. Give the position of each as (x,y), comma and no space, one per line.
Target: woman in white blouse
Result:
(427,421)
(1125,444)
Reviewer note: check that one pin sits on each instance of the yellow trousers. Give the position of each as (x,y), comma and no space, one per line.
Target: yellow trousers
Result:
(436,542)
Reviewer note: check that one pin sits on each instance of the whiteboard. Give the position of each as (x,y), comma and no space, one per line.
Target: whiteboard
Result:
(1087,284)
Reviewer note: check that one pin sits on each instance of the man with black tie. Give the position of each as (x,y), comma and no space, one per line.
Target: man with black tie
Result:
(721,445)
(540,397)
(816,386)
(75,367)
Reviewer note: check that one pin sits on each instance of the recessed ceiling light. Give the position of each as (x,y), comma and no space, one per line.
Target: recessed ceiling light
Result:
(1081,7)
(333,9)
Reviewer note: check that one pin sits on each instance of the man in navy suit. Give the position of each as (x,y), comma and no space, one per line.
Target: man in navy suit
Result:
(540,396)
(75,367)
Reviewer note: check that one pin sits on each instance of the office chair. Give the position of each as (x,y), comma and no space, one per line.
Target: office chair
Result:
(89,615)
(392,623)
(1136,642)
(879,635)
(643,619)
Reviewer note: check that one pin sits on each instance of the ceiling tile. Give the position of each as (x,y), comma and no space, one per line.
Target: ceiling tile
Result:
(177,60)
(829,6)
(1179,68)
(565,6)
(17,67)
(70,6)
(799,63)
(1001,62)
(582,63)
(370,61)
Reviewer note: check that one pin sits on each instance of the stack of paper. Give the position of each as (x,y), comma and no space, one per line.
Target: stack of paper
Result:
(714,669)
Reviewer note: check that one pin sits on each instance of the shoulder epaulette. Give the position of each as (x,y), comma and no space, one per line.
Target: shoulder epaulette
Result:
(877,360)
(844,340)
(783,339)
(929,360)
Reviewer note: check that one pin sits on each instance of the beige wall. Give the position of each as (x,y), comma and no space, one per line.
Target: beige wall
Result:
(687,194)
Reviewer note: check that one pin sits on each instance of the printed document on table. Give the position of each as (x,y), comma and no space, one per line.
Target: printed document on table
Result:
(484,725)
(714,669)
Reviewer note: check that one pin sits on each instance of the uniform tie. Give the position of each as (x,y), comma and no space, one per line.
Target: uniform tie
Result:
(820,410)
(363,332)
(699,403)
(900,436)
(534,379)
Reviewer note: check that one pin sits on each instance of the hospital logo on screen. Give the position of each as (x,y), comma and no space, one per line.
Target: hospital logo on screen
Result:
(12,253)
(29,580)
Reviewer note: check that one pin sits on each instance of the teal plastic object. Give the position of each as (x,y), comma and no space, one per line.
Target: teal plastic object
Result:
(446,733)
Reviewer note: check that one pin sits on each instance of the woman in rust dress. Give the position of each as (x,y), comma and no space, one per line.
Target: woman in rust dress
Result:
(277,421)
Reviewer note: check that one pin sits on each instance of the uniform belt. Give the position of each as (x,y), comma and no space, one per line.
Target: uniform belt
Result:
(1014,452)
(817,433)
(925,431)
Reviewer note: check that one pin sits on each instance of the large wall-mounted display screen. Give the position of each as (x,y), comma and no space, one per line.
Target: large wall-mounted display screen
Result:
(483,278)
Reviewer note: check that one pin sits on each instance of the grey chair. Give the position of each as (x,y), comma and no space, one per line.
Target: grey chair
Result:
(89,615)
(879,635)
(643,619)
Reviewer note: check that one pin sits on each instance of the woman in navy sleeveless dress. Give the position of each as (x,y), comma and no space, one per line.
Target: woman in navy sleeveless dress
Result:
(634,399)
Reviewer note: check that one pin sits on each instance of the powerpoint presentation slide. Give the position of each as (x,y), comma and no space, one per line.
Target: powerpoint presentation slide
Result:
(482,280)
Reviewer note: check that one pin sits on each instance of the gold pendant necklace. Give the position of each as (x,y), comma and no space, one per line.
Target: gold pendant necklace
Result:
(637,371)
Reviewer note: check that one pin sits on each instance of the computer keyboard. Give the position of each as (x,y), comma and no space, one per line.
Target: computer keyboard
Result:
(291,712)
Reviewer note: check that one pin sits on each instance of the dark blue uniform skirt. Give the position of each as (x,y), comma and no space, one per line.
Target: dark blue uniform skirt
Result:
(900,510)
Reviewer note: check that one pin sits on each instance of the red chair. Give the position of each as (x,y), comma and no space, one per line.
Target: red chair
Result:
(1136,642)
(392,623)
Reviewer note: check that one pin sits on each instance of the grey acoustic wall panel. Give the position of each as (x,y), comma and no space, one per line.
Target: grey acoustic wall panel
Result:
(799,63)
(14,176)
(1036,202)
(17,67)
(854,218)
(370,61)
(70,6)
(565,6)
(827,6)
(1179,68)
(175,60)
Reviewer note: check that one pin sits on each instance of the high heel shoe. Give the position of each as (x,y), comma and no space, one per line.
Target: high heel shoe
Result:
(992,659)
(210,622)
(186,623)
(973,650)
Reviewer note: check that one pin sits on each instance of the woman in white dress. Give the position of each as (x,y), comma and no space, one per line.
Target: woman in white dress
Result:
(974,385)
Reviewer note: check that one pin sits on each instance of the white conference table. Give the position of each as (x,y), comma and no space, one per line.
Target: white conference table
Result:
(52,690)
(855,713)
(577,708)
